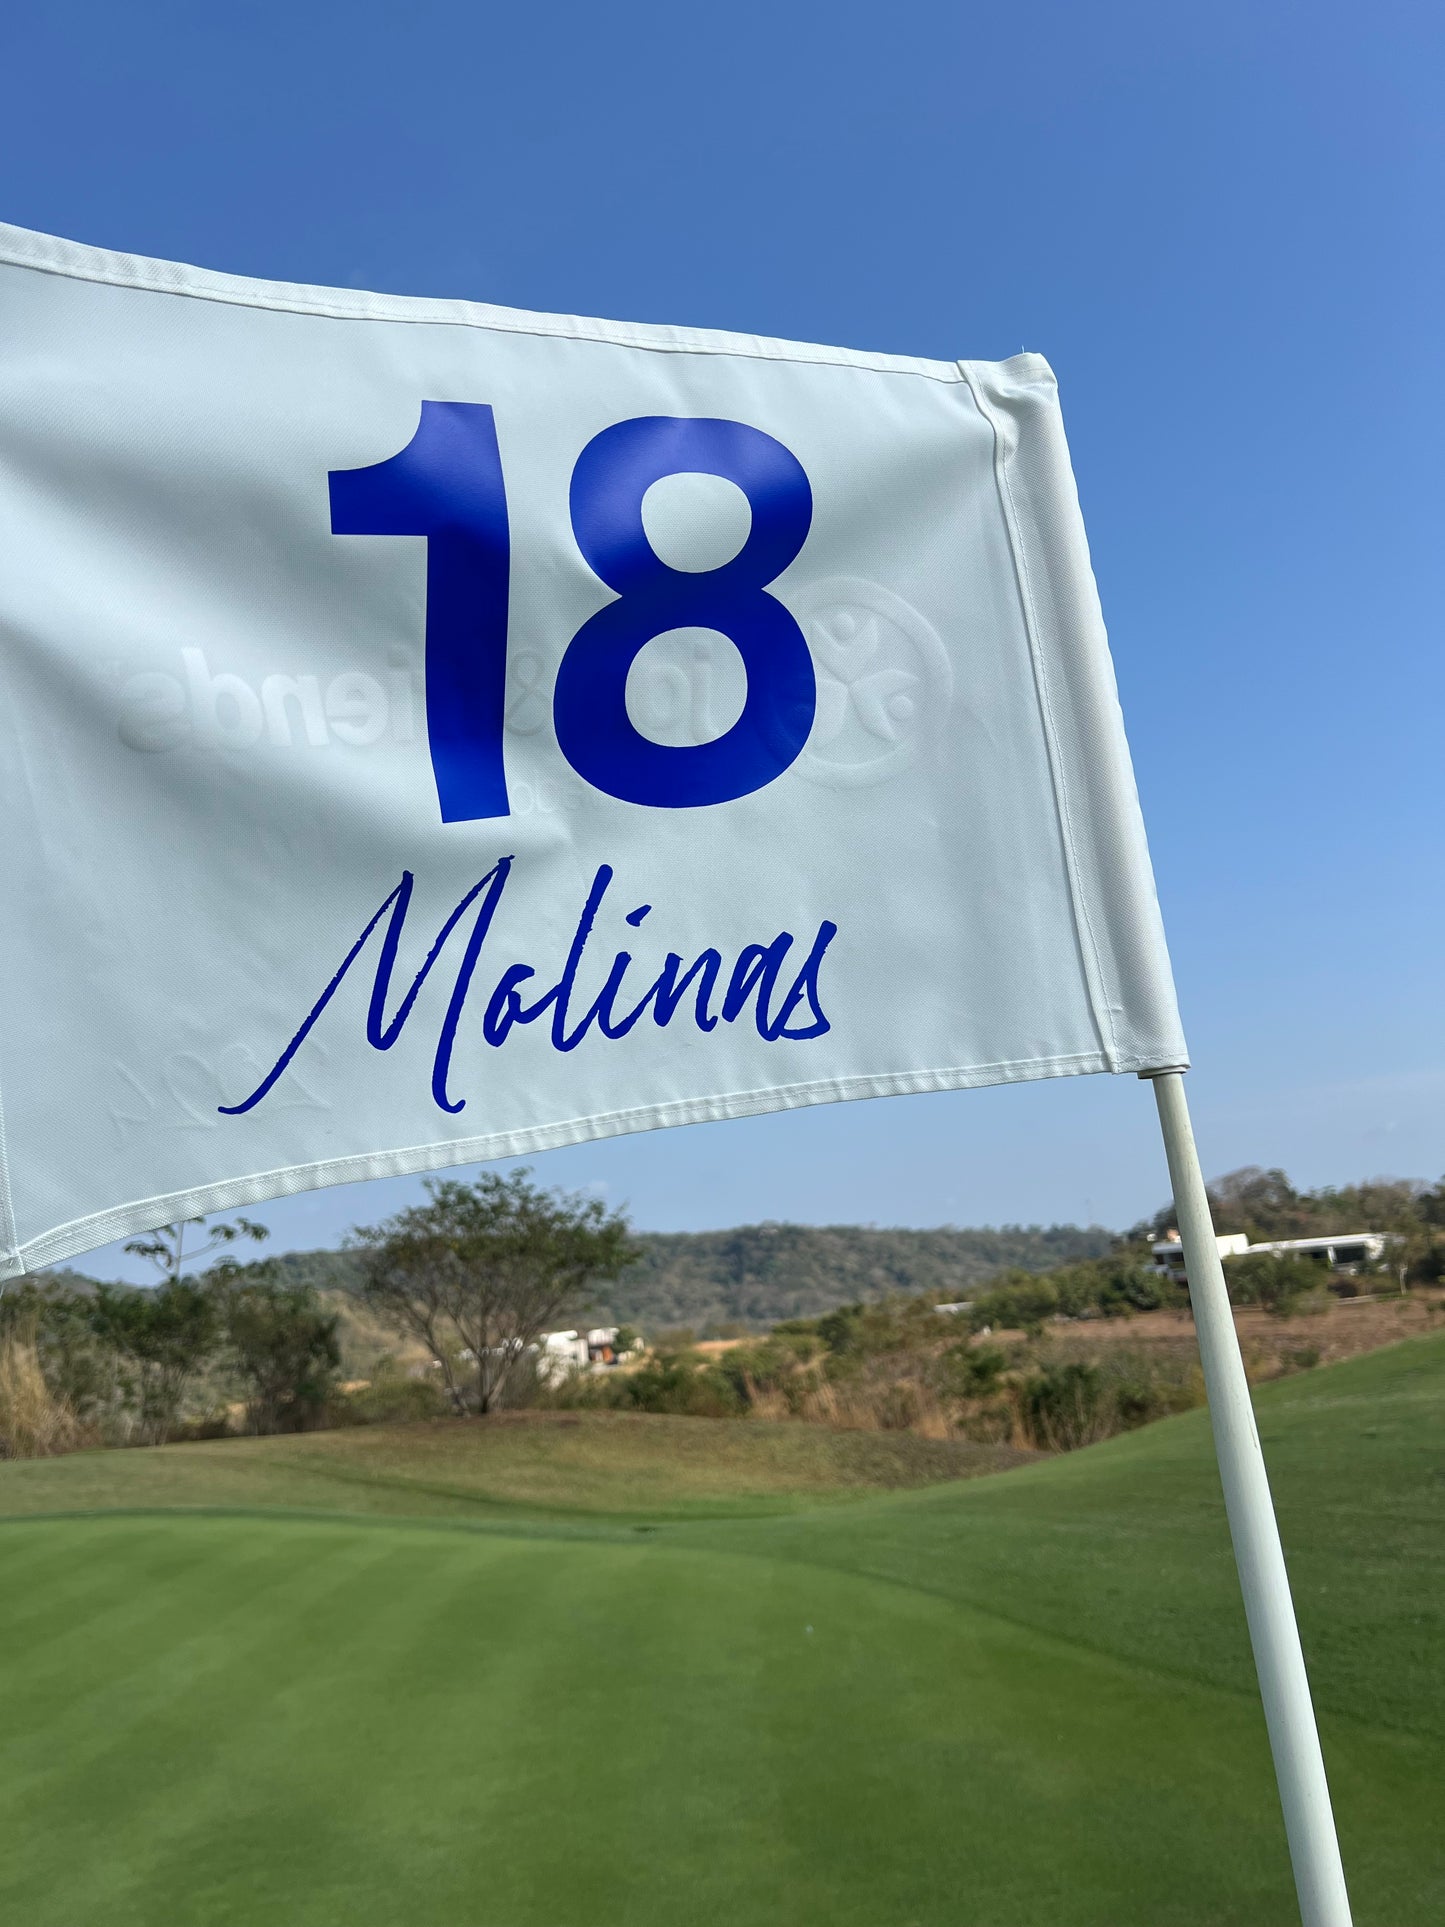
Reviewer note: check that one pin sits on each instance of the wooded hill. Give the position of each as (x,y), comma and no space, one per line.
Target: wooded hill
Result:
(755,1275)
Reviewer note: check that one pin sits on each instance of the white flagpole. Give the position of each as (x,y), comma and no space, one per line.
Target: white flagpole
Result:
(1293,1738)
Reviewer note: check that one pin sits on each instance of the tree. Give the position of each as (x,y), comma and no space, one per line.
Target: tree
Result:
(481,1270)
(1417,1257)
(166,1335)
(1275,1280)
(165,1248)
(283,1344)
(1267,1206)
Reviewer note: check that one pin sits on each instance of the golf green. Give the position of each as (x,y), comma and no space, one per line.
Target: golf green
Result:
(1005,1701)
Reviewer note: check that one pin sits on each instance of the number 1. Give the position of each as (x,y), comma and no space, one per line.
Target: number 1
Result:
(447,486)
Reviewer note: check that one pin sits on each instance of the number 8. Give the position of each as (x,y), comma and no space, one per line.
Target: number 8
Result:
(594,731)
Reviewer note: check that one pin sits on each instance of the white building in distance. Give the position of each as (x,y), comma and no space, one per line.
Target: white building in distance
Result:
(1341,1251)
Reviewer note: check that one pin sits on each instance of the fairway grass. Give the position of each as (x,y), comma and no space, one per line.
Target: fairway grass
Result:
(589,1463)
(1022,1701)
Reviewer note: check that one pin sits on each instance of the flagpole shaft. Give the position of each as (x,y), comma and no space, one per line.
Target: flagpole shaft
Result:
(1293,1737)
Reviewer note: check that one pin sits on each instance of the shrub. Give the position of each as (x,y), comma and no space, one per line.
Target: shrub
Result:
(1020,1302)
(675,1382)
(898,1407)
(1299,1358)
(770,1366)
(839,1330)
(679,1383)
(993,1422)
(82,1373)
(1065,1406)
(390,1400)
(34,1424)
(1276,1281)
(1144,1389)
(971,1371)
(1127,1287)
(1112,1287)
(1071,1403)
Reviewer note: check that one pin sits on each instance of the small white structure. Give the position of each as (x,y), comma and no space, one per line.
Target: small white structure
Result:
(1341,1251)
(559,1354)
(1169,1252)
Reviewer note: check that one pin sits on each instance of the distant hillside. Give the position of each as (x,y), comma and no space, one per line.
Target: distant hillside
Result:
(61,1279)
(760,1273)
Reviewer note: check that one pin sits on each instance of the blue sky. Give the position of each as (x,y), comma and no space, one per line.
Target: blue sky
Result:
(1221,225)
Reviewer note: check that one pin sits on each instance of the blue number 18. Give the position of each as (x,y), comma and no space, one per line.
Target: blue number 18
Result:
(447,485)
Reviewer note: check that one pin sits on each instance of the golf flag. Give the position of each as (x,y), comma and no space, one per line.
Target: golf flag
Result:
(431,732)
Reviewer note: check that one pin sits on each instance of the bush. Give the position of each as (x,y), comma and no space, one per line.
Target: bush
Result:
(1144,1389)
(82,1374)
(869,1331)
(839,1330)
(679,1383)
(214,1424)
(1299,1358)
(1114,1287)
(674,1382)
(771,1366)
(34,1424)
(1066,1406)
(898,1407)
(1021,1302)
(971,1371)
(1069,1404)
(390,1400)
(1274,1280)
(1127,1287)
(992,1422)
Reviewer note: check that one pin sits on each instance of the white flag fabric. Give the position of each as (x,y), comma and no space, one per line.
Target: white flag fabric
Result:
(432,732)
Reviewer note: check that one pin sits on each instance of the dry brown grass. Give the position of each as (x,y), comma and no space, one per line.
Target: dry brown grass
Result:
(33,1423)
(1335,1329)
(1134,1369)
(888,1402)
